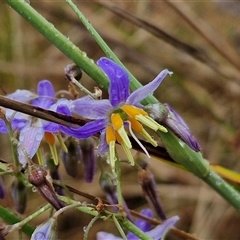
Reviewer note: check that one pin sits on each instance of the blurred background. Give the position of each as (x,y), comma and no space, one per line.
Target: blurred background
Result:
(198,40)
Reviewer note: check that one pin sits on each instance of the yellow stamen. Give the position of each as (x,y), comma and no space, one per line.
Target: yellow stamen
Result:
(112,155)
(111,139)
(136,126)
(53,150)
(160,127)
(62,144)
(110,134)
(128,153)
(40,156)
(132,111)
(117,123)
(149,138)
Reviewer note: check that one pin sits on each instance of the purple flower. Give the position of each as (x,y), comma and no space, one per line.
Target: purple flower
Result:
(46,230)
(155,233)
(32,129)
(122,109)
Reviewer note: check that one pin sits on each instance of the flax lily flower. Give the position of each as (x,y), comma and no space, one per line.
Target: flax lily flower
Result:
(121,110)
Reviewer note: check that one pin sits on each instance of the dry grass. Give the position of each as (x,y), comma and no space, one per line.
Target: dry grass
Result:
(204,89)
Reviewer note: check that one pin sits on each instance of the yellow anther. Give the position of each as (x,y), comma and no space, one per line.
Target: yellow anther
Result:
(136,126)
(132,111)
(117,121)
(110,135)
(119,139)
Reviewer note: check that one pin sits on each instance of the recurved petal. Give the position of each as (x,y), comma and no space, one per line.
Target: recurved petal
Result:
(119,81)
(30,138)
(91,128)
(138,95)
(91,109)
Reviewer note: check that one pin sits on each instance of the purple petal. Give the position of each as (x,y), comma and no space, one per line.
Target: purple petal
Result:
(30,138)
(119,81)
(46,95)
(45,88)
(142,224)
(22,95)
(91,128)
(160,230)
(103,146)
(91,109)
(138,95)
(3,128)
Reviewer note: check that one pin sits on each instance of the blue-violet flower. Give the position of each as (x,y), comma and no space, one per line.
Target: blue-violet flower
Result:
(121,109)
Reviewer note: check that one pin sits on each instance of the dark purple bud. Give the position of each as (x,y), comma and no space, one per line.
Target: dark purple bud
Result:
(71,160)
(145,179)
(45,231)
(168,116)
(175,122)
(2,189)
(142,224)
(37,177)
(88,158)
(19,195)
(54,173)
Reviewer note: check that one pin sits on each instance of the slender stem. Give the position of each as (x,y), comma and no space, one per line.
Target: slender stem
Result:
(123,235)
(119,185)
(19,225)
(90,225)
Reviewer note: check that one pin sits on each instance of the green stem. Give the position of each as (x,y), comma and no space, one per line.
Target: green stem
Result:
(119,227)
(119,185)
(89,226)
(195,163)
(20,225)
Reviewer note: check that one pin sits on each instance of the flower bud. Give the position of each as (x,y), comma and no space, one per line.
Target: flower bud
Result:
(71,160)
(168,116)
(19,195)
(88,158)
(37,177)
(145,179)
(46,231)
